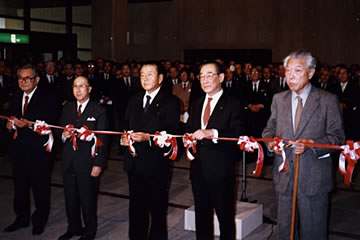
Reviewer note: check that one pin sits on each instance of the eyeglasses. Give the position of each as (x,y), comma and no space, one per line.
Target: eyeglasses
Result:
(209,76)
(80,86)
(26,79)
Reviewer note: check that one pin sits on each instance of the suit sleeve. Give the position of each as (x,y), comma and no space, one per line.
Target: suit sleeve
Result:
(270,129)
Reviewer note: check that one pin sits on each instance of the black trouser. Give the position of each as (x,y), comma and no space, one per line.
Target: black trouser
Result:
(80,197)
(209,197)
(148,200)
(35,176)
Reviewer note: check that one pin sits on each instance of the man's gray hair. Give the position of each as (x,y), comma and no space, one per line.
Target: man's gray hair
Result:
(301,54)
(27,66)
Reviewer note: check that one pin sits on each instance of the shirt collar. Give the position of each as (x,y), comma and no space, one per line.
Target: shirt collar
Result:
(83,105)
(303,95)
(153,94)
(216,96)
(30,94)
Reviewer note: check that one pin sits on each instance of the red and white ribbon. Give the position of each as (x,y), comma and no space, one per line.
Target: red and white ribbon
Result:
(87,135)
(350,154)
(250,144)
(72,130)
(12,122)
(162,139)
(43,129)
(189,142)
(279,146)
(130,142)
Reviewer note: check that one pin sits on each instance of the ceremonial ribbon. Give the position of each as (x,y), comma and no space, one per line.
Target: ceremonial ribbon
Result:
(162,139)
(71,129)
(87,135)
(350,153)
(189,142)
(250,144)
(279,146)
(12,122)
(130,142)
(43,129)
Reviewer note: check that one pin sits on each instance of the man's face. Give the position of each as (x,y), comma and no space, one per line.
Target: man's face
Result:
(136,72)
(297,75)
(281,71)
(228,75)
(150,78)
(254,74)
(266,73)
(27,81)
(343,75)
(81,89)
(50,68)
(210,80)
(247,69)
(91,68)
(125,70)
(79,70)
(324,76)
(238,69)
(100,63)
(107,67)
(118,74)
(184,77)
(173,73)
(68,69)
(167,65)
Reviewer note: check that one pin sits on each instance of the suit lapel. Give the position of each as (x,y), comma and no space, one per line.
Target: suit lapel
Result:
(311,105)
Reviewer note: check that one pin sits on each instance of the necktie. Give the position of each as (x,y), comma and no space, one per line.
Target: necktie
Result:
(52,80)
(26,104)
(298,112)
(184,86)
(207,112)
(147,104)
(79,111)
(128,82)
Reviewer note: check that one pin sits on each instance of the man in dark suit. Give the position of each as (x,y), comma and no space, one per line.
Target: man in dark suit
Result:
(30,161)
(279,84)
(148,172)
(81,170)
(213,169)
(305,114)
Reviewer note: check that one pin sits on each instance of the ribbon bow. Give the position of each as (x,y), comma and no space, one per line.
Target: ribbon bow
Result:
(189,142)
(87,135)
(249,145)
(350,153)
(131,142)
(162,139)
(43,129)
(71,129)
(279,146)
(12,122)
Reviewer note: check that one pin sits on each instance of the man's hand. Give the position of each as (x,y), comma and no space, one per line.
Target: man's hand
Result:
(300,147)
(124,140)
(66,133)
(140,136)
(201,134)
(255,107)
(271,146)
(19,123)
(95,172)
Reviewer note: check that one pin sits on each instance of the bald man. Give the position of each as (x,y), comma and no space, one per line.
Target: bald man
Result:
(80,169)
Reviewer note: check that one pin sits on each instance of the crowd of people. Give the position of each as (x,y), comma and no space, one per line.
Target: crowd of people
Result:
(206,99)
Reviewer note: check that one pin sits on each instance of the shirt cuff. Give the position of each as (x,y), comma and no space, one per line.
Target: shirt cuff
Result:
(215,136)
(63,139)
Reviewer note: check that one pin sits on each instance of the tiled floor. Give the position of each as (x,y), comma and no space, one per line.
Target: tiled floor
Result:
(113,204)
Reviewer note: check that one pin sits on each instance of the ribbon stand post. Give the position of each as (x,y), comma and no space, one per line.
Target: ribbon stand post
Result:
(293,212)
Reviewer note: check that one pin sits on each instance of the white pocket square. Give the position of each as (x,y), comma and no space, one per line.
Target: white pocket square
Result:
(90,119)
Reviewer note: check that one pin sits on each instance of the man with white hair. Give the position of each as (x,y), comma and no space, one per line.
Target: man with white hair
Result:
(304,114)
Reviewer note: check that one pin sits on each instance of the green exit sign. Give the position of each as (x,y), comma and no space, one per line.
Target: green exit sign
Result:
(14,38)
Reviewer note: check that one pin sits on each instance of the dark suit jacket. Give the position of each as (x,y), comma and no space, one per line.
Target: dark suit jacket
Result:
(275,86)
(216,162)
(321,120)
(163,115)
(94,117)
(41,107)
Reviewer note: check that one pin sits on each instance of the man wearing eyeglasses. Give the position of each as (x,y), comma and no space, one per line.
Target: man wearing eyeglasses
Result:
(30,162)
(81,170)
(212,173)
